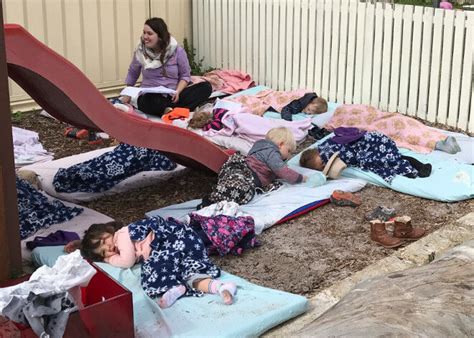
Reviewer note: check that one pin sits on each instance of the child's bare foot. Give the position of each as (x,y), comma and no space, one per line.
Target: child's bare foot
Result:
(171,296)
(227,292)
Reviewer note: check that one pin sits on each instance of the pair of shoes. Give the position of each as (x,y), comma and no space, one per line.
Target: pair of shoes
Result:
(344,198)
(403,231)
(94,139)
(76,133)
(381,213)
(318,133)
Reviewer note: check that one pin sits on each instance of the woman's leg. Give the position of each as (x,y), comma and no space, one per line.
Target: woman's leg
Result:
(194,95)
(226,290)
(154,104)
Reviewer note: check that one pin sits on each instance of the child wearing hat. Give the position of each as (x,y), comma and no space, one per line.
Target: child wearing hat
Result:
(242,176)
(369,151)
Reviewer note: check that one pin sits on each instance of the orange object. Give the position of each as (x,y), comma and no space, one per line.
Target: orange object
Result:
(176,114)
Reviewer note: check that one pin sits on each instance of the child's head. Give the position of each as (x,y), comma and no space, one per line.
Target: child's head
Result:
(311,159)
(317,105)
(284,139)
(200,119)
(97,243)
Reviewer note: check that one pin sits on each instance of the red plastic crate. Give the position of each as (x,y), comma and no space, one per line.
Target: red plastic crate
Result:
(107,312)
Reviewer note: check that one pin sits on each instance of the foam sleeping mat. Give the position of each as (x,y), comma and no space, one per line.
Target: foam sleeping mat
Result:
(272,208)
(47,170)
(451,179)
(256,309)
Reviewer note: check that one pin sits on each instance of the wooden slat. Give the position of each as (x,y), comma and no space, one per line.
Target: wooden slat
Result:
(326,49)
(359,59)
(436,45)
(351,53)
(341,74)
(303,69)
(212,60)
(296,45)
(282,46)
(387,59)
(249,38)
(405,80)
(446,58)
(334,59)
(232,40)
(226,32)
(311,45)
(425,68)
(368,54)
(255,39)
(466,116)
(219,16)
(262,5)
(268,43)
(377,60)
(415,62)
(201,34)
(244,44)
(455,78)
(206,47)
(396,58)
(289,45)
(318,70)
(275,44)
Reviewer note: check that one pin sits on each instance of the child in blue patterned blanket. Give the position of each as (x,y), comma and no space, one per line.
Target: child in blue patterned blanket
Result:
(174,260)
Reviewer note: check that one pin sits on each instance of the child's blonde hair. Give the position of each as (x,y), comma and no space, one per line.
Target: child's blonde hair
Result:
(282,135)
(200,119)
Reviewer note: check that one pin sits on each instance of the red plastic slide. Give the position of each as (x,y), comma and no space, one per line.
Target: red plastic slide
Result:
(66,93)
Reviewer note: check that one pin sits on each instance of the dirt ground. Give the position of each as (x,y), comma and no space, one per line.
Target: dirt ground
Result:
(301,256)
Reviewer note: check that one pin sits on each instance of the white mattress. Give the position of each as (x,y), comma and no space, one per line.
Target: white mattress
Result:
(47,170)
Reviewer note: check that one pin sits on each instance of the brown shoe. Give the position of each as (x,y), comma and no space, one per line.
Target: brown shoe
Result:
(379,235)
(404,230)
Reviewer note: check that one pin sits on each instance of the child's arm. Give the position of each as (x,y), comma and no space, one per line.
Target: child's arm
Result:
(125,258)
(281,170)
(289,175)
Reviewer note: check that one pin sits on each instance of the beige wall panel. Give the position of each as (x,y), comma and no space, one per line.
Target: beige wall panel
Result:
(178,17)
(55,26)
(98,36)
(108,44)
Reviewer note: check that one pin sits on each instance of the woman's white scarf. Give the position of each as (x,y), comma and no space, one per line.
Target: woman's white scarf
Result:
(151,60)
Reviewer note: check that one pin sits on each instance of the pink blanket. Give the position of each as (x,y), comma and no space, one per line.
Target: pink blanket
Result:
(405,131)
(227,81)
(253,128)
(259,103)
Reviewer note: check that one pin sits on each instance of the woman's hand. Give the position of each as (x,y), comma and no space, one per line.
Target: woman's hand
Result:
(175,97)
(72,246)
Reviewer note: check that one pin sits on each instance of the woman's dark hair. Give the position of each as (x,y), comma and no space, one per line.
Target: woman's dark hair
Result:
(158,25)
(92,236)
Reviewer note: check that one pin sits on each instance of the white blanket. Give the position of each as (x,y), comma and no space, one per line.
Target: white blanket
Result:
(27,147)
(268,209)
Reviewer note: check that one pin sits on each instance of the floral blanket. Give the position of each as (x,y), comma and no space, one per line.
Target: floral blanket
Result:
(405,131)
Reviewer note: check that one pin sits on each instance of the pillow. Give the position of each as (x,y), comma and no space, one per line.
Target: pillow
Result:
(46,255)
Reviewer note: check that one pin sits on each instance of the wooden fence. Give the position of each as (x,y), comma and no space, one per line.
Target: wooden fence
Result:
(410,59)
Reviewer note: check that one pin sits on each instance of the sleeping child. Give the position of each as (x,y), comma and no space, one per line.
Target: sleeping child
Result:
(286,103)
(369,151)
(241,176)
(174,259)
